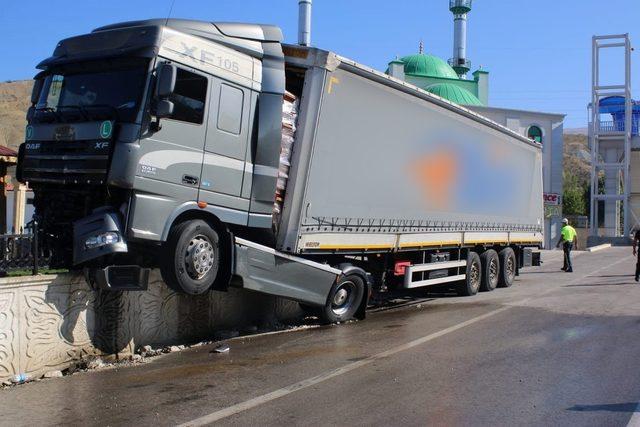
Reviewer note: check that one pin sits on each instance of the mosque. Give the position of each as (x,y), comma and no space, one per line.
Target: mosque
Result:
(449,80)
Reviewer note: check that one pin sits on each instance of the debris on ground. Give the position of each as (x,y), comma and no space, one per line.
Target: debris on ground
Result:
(96,363)
(222,348)
(20,378)
(53,374)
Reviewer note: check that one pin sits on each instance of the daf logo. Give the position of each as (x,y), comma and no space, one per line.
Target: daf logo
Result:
(33,146)
(64,133)
(101,145)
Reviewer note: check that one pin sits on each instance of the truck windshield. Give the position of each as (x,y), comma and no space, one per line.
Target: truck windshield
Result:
(93,90)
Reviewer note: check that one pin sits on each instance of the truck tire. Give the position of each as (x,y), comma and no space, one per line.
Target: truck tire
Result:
(507,268)
(490,270)
(191,257)
(344,299)
(471,284)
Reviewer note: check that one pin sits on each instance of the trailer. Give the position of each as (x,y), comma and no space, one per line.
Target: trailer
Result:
(281,169)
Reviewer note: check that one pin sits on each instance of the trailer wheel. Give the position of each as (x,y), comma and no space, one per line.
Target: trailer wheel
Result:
(490,270)
(344,299)
(474,276)
(507,268)
(191,257)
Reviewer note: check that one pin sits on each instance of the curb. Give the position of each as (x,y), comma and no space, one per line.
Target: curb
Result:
(599,247)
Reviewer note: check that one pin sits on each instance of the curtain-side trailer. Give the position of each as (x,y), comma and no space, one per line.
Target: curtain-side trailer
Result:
(230,159)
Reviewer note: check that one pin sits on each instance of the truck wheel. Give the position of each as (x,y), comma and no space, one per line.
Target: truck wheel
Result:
(490,270)
(474,274)
(344,299)
(507,268)
(191,257)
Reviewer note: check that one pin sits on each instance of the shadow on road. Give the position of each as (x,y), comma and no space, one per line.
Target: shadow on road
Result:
(614,275)
(601,284)
(607,407)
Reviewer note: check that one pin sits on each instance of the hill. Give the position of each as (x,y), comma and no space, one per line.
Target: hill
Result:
(576,157)
(14,102)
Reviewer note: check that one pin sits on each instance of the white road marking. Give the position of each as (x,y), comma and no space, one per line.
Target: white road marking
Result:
(327,375)
(634,421)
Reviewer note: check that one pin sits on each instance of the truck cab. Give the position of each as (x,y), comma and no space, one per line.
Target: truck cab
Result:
(160,136)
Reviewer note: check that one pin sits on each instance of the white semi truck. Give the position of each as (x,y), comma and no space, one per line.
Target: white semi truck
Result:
(224,157)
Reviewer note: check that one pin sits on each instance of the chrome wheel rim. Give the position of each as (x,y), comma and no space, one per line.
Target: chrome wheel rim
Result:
(474,275)
(510,267)
(344,298)
(493,270)
(199,257)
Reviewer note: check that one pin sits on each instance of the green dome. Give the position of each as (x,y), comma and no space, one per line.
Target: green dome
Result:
(422,65)
(454,93)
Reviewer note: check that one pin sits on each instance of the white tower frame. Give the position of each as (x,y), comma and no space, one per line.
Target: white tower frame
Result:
(610,136)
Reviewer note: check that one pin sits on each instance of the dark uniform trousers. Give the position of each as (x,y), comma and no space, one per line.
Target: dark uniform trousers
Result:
(567,247)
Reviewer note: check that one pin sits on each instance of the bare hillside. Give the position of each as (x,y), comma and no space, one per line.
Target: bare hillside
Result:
(14,102)
(576,161)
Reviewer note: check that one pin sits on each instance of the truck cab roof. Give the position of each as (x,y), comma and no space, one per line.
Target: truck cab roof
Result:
(207,30)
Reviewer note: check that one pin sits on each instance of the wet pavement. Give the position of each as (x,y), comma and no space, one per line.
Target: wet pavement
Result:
(556,348)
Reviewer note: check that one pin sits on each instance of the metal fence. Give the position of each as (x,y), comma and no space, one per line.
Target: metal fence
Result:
(23,252)
(618,126)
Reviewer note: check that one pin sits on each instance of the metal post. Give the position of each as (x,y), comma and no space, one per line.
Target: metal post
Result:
(35,248)
(304,22)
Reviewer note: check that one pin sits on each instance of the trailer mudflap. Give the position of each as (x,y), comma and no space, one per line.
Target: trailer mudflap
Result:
(266,270)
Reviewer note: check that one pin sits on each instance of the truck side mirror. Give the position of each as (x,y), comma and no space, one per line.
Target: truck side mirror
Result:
(164,108)
(35,92)
(166,82)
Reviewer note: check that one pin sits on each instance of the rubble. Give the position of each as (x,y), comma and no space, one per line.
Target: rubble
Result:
(96,363)
(53,374)
(222,348)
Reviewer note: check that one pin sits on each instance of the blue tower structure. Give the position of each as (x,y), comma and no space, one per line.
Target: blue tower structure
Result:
(615,106)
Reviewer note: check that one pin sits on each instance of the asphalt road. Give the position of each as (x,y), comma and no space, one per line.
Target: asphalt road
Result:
(555,349)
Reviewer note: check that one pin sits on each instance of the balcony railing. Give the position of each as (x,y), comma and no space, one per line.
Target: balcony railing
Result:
(459,63)
(618,126)
(460,6)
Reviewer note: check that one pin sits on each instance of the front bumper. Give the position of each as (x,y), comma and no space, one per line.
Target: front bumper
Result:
(103,222)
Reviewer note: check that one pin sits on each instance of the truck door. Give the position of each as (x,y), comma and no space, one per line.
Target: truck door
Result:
(173,154)
(226,145)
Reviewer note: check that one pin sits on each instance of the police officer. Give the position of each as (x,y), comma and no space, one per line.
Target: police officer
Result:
(568,239)
(636,238)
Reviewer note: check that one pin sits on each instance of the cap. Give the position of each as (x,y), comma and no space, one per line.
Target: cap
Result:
(565,221)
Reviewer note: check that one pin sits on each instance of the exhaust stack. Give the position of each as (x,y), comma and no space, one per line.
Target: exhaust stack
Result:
(304,22)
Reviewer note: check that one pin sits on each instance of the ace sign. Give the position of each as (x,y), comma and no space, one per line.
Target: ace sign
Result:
(552,199)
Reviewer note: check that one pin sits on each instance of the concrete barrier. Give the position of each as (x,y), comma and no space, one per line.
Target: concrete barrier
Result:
(599,247)
(47,322)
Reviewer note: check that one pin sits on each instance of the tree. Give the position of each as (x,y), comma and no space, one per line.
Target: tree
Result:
(573,199)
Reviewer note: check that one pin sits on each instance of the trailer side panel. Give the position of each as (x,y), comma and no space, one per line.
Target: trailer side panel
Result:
(388,165)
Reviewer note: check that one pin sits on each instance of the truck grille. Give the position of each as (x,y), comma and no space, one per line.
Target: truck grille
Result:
(73,162)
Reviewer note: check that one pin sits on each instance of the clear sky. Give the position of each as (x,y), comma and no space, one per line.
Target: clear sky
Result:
(538,51)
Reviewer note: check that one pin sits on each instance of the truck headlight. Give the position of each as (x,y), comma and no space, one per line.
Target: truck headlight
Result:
(108,238)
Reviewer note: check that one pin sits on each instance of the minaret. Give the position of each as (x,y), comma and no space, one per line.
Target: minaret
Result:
(459,62)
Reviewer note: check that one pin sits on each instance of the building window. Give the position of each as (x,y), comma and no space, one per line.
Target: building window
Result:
(535,133)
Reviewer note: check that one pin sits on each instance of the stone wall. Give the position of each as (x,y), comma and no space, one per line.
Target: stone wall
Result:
(46,322)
